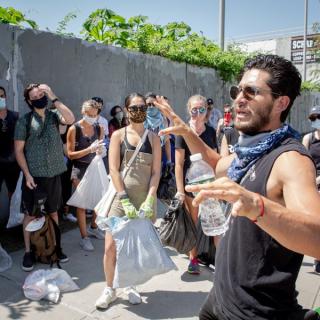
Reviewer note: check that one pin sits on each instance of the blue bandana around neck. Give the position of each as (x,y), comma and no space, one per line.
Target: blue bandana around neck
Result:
(247,156)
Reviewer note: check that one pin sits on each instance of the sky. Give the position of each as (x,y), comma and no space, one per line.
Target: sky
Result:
(243,19)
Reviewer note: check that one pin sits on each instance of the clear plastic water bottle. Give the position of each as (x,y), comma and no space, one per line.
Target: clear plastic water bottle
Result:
(211,215)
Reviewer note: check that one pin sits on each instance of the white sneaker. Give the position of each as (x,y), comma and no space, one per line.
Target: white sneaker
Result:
(133,295)
(69,217)
(86,244)
(108,295)
(97,233)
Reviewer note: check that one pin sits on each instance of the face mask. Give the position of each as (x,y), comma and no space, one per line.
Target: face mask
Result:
(40,103)
(2,103)
(137,116)
(89,119)
(119,116)
(316,124)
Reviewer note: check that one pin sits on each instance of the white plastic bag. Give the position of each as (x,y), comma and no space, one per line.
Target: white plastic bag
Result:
(92,186)
(140,255)
(47,284)
(16,216)
(5,260)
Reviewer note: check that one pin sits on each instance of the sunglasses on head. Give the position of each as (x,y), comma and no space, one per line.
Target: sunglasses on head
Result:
(201,110)
(314,117)
(139,107)
(249,92)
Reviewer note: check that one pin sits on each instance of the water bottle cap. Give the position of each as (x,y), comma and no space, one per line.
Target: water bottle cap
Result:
(196,157)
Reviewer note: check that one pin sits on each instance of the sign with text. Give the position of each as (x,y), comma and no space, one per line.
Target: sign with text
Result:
(313,49)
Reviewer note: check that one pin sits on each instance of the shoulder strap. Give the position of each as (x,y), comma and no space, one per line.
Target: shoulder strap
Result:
(310,136)
(124,172)
(78,131)
(97,128)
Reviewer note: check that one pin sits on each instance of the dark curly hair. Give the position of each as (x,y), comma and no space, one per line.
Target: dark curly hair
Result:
(285,79)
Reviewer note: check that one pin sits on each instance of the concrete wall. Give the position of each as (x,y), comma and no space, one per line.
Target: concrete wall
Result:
(77,70)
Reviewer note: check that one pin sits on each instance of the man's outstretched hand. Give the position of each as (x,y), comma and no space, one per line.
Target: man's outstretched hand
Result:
(178,126)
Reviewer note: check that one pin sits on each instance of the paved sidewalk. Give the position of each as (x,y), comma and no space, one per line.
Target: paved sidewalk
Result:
(174,295)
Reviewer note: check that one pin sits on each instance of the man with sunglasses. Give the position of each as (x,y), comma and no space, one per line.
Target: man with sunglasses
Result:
(273,222)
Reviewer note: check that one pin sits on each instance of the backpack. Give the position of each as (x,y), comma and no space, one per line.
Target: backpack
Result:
(46,242)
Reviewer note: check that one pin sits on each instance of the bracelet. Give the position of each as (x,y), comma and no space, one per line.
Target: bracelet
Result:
(54,100)
(261,205)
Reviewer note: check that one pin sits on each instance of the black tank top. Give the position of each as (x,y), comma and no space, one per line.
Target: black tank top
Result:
(314,149)
(255,275)
(125,145)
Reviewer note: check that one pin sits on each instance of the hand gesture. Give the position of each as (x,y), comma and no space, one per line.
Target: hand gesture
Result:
(96,146)
(179,127)
(245,203)
(47,91)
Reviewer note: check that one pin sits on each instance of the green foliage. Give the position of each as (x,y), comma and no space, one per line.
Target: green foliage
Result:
(62,25)
(310,86)
(10,15)
(174,41)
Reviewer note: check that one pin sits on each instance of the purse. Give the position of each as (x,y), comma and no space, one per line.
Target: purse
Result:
(103,206)
(177,230)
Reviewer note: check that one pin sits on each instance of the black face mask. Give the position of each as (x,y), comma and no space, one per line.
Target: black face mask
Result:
(40,103)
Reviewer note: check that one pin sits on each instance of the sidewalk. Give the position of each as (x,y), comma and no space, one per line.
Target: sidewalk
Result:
(175,295)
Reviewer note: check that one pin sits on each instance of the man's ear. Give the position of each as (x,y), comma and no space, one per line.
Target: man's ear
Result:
(281,104)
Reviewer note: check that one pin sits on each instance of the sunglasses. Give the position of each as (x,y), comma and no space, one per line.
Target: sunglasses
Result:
(314,117)
(150,105)
(249,92)
(201,110)
(139,107)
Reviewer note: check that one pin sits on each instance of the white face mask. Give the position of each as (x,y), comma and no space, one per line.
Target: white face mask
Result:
(89,119)
(316,124)
(2,103)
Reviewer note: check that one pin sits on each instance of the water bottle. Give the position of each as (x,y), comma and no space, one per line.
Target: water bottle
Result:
(211,215)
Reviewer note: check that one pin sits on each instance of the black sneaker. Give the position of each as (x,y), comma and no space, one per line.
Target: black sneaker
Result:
(63,258)
(317,266)
(27,263)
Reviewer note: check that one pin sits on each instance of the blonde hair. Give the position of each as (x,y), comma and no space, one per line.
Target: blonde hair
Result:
(196,97)
(88,104)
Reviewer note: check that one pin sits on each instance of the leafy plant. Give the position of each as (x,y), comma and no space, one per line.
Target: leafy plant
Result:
(10,15)
(174,41)
(62,25)
(310,86)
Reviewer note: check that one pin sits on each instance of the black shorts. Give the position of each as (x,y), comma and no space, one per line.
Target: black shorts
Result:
(9,173)
(48,189)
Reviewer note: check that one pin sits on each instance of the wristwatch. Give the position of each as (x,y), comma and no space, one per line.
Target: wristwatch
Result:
(54,100)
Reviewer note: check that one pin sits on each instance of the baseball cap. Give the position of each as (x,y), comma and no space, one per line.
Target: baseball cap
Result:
(314,110)
(209,101)
(35,224)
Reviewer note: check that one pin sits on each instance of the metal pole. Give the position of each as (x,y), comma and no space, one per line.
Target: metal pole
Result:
(221,23)
(304,78)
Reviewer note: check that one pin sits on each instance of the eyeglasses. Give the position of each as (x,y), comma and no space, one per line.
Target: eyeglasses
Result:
(140,107)
(314,117)
(201,110)
(249,92)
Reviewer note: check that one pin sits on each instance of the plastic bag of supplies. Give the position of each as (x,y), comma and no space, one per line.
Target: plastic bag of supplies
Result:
(140,255)
(16,216)
(47,284)
(92,186)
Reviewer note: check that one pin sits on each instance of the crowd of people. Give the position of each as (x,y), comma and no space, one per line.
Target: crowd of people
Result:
(251,149)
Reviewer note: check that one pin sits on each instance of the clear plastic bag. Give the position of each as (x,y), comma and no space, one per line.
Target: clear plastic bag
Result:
(92,186)
(5,260)
(47,284)
(16,216)
(140,255)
